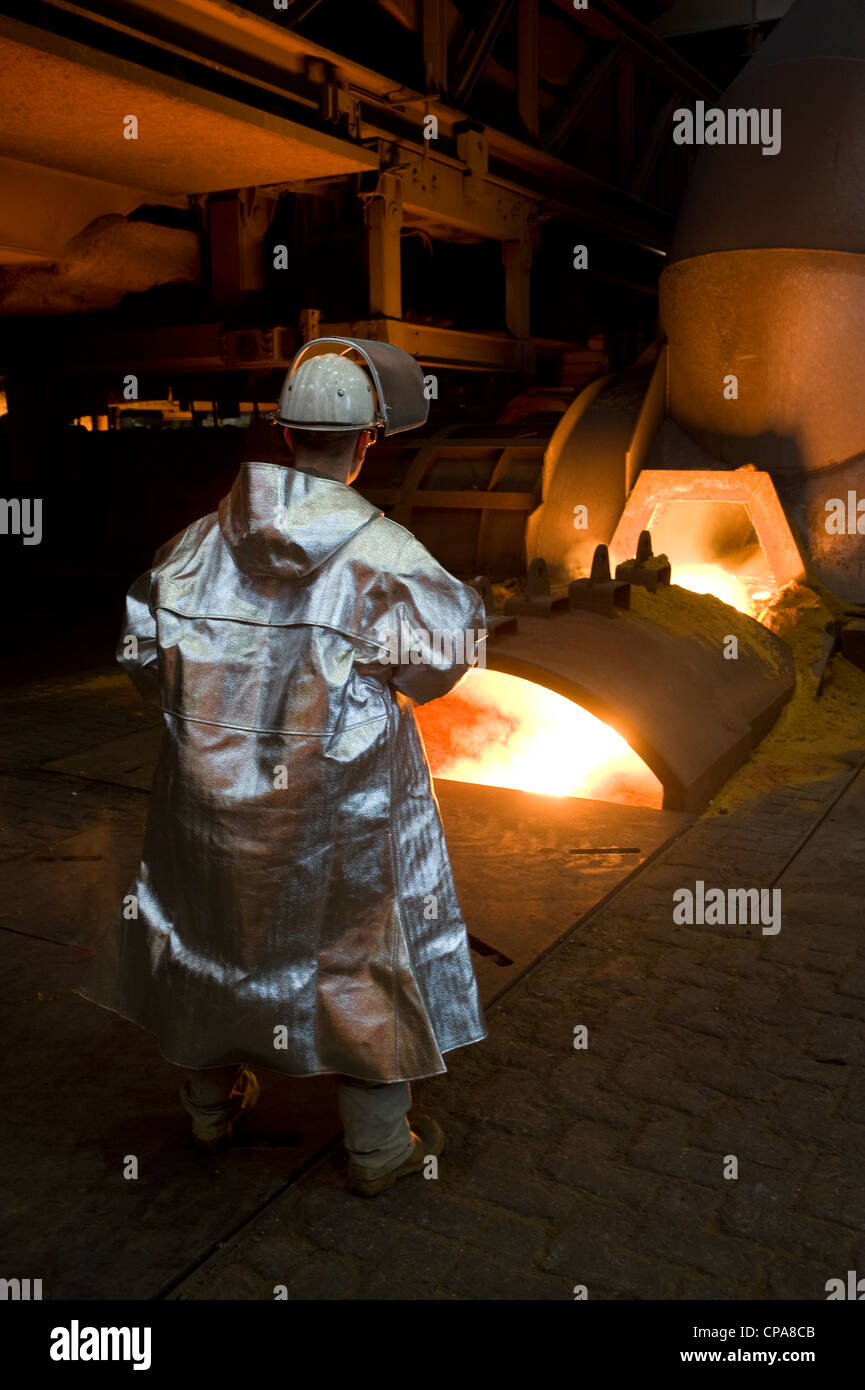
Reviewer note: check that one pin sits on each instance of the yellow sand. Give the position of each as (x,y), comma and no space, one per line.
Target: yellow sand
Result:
(815,736)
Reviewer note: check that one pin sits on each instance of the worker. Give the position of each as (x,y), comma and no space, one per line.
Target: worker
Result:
(295,906)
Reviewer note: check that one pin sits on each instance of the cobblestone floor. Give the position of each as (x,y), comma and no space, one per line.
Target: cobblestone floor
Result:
(603,1166)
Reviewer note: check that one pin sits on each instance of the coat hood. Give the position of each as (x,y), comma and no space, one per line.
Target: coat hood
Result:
(283,523)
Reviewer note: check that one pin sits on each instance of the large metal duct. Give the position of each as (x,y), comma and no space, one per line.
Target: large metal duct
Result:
(597,450)
(767,284)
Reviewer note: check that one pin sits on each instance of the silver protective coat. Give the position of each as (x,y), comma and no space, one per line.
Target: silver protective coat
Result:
(295,902)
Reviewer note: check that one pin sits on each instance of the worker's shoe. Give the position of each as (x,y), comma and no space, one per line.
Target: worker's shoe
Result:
(428,1140)
(212,1134)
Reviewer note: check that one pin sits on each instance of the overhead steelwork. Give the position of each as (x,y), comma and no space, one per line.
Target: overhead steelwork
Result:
(703,16)
(206,106)
(238,67)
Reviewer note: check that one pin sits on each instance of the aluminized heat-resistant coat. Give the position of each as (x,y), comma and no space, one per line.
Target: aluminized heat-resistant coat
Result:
(294,880)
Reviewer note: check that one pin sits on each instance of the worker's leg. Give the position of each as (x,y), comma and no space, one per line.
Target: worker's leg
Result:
(215,1096)
(375,1120)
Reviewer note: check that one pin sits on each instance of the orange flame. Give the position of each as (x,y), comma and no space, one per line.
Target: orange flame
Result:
(503,731)
(747,595)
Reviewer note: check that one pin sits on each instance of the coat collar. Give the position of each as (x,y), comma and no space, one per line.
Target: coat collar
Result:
(283,523)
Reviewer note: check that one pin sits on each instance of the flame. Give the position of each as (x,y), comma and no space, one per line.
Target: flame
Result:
(503,731)
(732,589)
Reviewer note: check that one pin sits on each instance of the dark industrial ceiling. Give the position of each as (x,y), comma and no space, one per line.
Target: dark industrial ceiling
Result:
(573,106)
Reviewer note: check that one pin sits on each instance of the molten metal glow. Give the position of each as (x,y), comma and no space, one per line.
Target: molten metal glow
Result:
(502,731)
(729,588)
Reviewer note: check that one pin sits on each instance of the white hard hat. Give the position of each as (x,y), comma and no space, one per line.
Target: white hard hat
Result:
(386,390)
(328,392)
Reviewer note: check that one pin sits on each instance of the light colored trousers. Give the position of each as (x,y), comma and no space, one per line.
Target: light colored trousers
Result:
(374,1114)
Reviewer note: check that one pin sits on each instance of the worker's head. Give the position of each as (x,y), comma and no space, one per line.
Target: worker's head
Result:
(338,454)
(328,408)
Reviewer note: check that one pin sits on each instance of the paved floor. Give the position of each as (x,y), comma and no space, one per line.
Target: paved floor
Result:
(609,1166)
(91,1091)
(605,1167)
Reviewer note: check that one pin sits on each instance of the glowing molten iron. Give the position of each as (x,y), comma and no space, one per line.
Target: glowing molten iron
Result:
(714,549)
(502,731)
(747,595)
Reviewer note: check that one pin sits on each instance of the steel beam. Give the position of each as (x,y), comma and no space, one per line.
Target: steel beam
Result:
(651,49)
(434,44)
(527,64)
(459,196)
(581,98)
(294,11)
(203,347)
(478,48)
(627,76)
(209,347)
(454,500)
(443,347)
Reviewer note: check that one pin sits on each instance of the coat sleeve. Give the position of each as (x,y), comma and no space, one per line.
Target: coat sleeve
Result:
(435,626)
(137,649)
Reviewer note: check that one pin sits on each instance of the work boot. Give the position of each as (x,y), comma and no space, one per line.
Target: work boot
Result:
(212,1134)
(428,1141)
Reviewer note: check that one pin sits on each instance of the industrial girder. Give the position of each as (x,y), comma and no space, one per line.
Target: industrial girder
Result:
(228,54)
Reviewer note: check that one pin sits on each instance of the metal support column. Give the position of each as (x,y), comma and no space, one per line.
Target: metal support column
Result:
(237,226)
(517,261)
(384,224)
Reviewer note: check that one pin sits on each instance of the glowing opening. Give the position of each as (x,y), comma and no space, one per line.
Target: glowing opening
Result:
(714,549)
(502,731)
